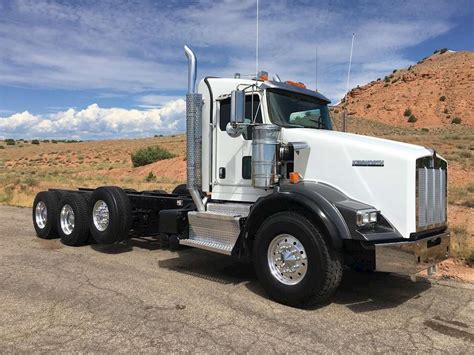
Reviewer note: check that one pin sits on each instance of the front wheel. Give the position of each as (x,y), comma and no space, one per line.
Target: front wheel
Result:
(293,262)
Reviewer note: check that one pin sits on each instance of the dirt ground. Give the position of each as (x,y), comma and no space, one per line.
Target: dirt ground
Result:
(437,90)
(136,297)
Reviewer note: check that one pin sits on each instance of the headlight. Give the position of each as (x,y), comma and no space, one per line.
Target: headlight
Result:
(366,217)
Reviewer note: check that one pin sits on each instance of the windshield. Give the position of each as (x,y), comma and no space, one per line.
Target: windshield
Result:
(291,109)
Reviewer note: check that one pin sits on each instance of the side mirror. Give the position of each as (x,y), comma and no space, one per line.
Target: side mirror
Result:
(237,106)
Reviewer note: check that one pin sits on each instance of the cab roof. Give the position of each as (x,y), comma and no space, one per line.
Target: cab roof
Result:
(270,84)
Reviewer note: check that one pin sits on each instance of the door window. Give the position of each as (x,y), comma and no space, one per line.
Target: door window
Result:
(224,118)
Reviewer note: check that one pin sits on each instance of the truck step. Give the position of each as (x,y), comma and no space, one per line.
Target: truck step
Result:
(230,209)
(208,245)
(212,231)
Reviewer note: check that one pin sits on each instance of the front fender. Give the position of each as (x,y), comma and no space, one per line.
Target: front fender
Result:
(305,197)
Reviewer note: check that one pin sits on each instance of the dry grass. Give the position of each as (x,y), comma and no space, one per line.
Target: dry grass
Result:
(26,170)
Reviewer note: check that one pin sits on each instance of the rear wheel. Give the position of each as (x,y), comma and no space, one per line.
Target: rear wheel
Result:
(181,190)
(111,215)
(73,220)
(45,211)
(293,262)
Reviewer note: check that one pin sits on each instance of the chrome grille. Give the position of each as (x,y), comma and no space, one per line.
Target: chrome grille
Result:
(431,193)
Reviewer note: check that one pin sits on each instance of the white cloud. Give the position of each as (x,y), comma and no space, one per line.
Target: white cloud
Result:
(156,100)
(95,122)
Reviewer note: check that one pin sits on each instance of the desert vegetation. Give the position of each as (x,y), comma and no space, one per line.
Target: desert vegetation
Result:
(148,155)
(64,164)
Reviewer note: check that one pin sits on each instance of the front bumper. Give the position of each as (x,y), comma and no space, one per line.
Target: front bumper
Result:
(411,257)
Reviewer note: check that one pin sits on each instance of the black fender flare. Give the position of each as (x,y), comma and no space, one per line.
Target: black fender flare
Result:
(305,198)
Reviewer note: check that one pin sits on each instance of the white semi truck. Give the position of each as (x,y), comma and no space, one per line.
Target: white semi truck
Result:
(269,180)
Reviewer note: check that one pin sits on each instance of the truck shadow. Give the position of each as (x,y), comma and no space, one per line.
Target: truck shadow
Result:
(148,243)
(359,292)
(365,292)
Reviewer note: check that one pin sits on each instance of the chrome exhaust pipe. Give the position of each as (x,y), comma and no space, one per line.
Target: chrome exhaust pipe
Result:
(193,133)
(192,68)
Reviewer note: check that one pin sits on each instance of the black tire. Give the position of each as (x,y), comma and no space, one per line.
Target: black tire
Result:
(324,265)
(120,215)
(181,190)
(80,232)
(156,192)
(48,230)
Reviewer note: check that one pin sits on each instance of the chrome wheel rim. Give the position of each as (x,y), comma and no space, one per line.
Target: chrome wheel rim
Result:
(66,219)
(287,259)
(100,215)
(41,214)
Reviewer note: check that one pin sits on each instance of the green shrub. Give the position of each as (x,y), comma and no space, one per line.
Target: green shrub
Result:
(468,203)
(407,112)
(35,141)
(386,79)
(425,130)
(368,106)
(9,141)
(31,181)
(412,118)
(150,177)
(443,50)
(148,155)
(442,98)
(456,120)
(445,110)
(45,140)
(54,141)
(471,257)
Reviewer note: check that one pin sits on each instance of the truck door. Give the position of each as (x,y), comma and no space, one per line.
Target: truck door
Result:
(232,166)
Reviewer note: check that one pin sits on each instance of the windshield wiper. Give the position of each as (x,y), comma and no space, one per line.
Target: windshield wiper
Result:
(320,123)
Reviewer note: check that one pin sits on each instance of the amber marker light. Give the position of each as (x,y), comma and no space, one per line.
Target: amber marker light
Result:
(295,177)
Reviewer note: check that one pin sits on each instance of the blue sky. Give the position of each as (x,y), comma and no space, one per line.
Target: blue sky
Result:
(109,69)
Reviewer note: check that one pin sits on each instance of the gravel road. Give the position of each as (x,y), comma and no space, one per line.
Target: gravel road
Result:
(137,297)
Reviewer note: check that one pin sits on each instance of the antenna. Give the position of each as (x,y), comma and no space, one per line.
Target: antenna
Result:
(256,49)
(350,63)
(316,87)
(344,123)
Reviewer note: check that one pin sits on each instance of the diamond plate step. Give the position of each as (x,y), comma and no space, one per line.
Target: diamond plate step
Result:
(208,245)
(212,231)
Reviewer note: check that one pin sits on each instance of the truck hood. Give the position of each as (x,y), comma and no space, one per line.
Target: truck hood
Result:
(375,171)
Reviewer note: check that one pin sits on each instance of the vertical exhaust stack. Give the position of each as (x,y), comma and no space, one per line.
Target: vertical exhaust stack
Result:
(193,132)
